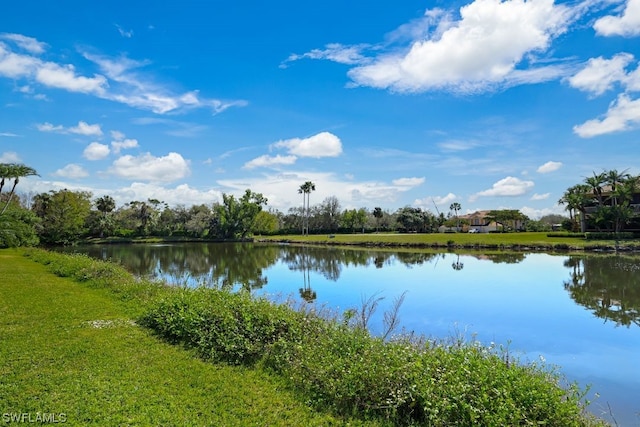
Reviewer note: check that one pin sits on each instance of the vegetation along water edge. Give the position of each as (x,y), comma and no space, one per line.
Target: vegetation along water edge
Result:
(304,356)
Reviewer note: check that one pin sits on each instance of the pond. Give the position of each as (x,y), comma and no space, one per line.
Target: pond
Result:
(581,313)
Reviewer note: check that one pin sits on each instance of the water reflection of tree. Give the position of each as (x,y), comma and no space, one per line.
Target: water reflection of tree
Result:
(227,265)
(300,260)
(457,265)
(242,264)
(416,258)
(329,261)
(609,286)
(306,259)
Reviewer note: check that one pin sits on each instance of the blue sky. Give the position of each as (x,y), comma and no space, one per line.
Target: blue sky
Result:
(491,104)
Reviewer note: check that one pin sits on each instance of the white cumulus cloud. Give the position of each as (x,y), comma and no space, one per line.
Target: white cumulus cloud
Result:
(537,196)
(408,182)
(324,144)
(549,167)
(123,144)
(65,77)
(27,43)
(268,161)
(476,53)
(600,74)
(282,189)
(507,187)
(96,151)
(623,114)
(445,200)
(9,157)
(83,128)
(626,25)
(48,127)
(538,213)
(147,167)
(72,171)
(181,194)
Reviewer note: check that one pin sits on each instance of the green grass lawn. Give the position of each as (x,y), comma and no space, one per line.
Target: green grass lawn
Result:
(72,350)
(536,240)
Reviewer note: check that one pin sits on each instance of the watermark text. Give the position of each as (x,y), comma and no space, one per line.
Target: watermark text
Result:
(36,418)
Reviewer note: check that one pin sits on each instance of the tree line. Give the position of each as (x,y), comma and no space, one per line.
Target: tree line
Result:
(66,216)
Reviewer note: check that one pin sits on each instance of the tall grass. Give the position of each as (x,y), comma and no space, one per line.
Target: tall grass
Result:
(333,363)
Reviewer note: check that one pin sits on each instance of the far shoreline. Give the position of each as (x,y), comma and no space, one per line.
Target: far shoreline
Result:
(516,242)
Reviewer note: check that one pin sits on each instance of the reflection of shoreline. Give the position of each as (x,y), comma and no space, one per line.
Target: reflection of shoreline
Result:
(550,248)
(608,286)
(501,258)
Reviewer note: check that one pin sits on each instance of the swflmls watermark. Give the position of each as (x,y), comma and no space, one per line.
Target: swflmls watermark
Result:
(36,418)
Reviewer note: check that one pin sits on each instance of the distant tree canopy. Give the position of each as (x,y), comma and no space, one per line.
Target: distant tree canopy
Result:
(410,219)
(236,217)
(508,218)
(63,215)
(66,216)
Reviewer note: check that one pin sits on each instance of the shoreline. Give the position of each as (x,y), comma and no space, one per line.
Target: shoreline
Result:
(540,247)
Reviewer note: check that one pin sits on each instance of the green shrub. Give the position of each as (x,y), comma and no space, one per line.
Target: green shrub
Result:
(609,235)
(566,234)
(222,326)
(338,366)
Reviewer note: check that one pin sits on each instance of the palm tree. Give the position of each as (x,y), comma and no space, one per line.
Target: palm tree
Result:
(306,189)
(595,182)
(575,198)
(455,207)
(15,171)
(622,196)
(105,205)
(615,178)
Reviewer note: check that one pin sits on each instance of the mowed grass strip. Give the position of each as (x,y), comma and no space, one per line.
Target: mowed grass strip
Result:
(534,240)
(67,349)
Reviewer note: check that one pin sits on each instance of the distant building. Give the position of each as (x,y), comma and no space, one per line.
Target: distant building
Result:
(480,222)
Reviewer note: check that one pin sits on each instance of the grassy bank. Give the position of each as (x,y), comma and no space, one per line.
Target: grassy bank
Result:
(531,241)
(524,241)
(73,350)
(268,361)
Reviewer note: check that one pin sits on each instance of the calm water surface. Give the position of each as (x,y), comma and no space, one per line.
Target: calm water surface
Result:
(581,313)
